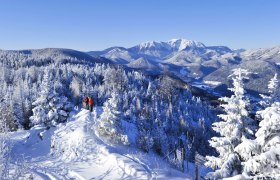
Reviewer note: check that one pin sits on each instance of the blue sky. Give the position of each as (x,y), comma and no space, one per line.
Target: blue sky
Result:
(97,24)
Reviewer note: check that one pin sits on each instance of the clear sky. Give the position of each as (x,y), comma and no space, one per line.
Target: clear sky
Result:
(98,24)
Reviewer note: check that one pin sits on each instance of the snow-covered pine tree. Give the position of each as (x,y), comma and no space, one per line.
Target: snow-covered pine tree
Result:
(273,94)
(49,108)
(18,106)
(265,149)
(7,115)
(110,121)
(233,128)
(76,89)
(27,112)
(4,151)
(160,139)
(59,109)
(145,126)
(41,106)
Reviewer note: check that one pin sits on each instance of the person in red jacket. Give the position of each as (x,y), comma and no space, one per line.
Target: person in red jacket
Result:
(86,105)
(90,102)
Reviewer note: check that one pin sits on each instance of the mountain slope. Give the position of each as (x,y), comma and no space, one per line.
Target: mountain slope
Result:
(50,54)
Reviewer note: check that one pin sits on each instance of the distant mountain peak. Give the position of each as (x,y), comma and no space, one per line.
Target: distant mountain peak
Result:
(159,51)
(181,44)
(171,45)
(150,44)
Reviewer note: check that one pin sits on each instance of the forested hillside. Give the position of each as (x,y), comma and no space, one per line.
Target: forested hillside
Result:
(42,89)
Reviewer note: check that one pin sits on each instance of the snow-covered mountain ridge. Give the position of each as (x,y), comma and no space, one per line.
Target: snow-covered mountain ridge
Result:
(158,50)
(58,55)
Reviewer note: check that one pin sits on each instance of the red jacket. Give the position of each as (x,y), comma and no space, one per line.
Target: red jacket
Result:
(90,101)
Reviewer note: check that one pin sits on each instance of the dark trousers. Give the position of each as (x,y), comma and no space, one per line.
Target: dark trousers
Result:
(91,108)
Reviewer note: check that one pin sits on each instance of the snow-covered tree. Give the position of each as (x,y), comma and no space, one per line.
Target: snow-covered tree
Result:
(233,128)
(273,93)
(4,151)
(49,107)
(41,106)
(27,113)
(76,88)
(265,149)
(110,121)
(7,115)
(18,105)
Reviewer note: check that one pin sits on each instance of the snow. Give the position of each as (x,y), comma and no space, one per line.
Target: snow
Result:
(74,150)
(118,53)
(181,44)
(148,44)
(214,83)
(238,177)
(177,44)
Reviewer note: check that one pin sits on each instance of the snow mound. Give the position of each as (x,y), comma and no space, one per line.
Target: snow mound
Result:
(75,139)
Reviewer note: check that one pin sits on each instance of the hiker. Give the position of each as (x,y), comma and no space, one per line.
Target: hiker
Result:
(90,102)
(85,103)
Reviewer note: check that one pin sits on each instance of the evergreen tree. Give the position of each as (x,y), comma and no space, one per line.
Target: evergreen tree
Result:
(4,150)
(264,161)
(27,113)
(110,121)
(7,115)
(144,125)
(18,105)
(49,107)
(41,105)
(233,128)
(273,88)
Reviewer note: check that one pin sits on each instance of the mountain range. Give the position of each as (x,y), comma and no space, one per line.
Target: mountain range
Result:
(197,63)
(206,67)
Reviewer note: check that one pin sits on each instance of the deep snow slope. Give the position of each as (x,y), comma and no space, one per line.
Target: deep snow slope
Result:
(75,151)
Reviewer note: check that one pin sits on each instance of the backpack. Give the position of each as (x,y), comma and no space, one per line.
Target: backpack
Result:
(86,99)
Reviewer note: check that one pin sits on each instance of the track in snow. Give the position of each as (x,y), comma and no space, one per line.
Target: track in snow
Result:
(89,156)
